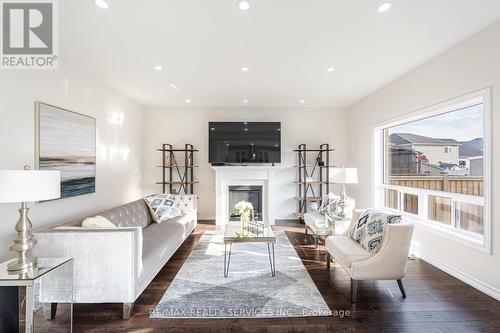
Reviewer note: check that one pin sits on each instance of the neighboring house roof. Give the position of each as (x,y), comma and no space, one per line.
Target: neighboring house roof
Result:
(448,166)
(472,148)
(408,138)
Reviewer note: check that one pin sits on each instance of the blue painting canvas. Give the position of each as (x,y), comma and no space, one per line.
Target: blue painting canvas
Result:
(67,142)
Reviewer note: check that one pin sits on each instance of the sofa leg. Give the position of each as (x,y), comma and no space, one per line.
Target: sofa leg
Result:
(49,310)
(127,310)
(328,259)
(354,290)
(402,288)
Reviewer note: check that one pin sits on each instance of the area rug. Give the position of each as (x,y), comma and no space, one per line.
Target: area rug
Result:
(200,290)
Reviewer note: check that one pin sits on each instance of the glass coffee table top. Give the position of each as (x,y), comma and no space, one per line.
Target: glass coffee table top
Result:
(234,233)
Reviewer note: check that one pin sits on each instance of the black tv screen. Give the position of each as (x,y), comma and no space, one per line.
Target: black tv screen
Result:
(244,142)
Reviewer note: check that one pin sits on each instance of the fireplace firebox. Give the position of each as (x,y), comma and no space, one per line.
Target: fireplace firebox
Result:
(250,193)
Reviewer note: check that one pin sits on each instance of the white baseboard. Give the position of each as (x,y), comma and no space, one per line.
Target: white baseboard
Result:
(471,281)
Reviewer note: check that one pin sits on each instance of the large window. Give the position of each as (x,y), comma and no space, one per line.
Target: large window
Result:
(434,168)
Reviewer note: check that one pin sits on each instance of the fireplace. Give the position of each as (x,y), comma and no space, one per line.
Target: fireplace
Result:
(252,177)
(248,193)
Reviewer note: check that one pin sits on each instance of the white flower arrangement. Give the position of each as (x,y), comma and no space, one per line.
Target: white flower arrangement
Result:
(242,208)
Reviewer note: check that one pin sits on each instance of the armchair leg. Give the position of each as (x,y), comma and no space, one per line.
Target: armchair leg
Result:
(306,231)
(328,259)
(400,285)
(127,310)
(354,290)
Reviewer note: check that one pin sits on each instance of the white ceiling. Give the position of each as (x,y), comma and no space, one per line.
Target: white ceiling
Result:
(287,45)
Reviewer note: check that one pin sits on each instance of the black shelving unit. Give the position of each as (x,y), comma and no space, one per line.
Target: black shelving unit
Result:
(312,191)
(178,178)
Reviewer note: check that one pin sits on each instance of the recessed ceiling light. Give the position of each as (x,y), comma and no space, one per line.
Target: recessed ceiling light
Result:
(188,100)
(245,101)
(246,129)
(159,68)
(331,69)
(244,4)
(101,3)
(244,69)
(174,87)
(384,7)
(302,101)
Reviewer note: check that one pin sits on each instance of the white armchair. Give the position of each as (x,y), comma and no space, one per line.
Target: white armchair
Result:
(322,225)
(389,263)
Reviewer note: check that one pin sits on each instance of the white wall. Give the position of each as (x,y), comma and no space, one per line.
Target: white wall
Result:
(119,148)
(190,125)
(470,66)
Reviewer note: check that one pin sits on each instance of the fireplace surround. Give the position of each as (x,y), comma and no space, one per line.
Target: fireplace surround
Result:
(241,178)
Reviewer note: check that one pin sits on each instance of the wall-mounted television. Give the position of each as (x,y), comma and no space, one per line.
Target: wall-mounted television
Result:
(244,142)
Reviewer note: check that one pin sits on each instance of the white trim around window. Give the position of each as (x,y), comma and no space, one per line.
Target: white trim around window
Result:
(483,242)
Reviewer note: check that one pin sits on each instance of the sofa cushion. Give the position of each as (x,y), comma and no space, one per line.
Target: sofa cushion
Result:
(161,240)
(317,223)
(345,250)
(134,214)
(162,207)
(368,229)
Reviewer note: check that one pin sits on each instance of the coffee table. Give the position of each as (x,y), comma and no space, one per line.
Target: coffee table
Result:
(234,233)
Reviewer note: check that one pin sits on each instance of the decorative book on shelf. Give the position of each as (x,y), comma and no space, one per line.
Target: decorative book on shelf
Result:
(178,169)
(313,173)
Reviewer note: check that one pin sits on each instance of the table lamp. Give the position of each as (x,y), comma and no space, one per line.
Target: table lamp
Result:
(343,176)
(23,186)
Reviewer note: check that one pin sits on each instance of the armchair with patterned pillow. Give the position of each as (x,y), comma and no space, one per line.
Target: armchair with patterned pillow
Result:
(322,222)
(374,247)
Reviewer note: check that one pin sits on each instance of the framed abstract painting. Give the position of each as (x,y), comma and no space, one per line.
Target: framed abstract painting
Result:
(66,141)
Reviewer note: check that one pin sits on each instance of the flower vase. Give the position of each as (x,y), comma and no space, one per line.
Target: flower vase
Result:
(244,219)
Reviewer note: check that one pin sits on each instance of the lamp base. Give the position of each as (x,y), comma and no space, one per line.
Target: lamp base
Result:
(21,267)
(22,244)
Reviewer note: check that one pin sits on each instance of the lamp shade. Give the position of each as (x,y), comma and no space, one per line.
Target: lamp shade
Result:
(344,175)
(29,185)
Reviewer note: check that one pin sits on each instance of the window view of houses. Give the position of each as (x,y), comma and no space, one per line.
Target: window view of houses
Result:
(442,153)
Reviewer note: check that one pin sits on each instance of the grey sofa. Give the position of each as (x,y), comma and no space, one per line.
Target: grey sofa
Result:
(115,265)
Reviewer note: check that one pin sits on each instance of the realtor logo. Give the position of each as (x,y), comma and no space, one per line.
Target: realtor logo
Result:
(29,39)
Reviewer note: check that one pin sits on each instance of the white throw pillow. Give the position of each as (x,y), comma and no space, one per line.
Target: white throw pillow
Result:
(97,222)
(162,207)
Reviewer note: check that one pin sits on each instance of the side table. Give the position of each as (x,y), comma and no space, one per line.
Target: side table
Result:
(30,301)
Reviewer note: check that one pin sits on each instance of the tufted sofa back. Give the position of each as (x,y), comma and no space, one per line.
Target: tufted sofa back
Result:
(133,214)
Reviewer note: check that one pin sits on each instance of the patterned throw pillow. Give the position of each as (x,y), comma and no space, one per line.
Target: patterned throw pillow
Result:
(368,229)
(162,207)
(329,205)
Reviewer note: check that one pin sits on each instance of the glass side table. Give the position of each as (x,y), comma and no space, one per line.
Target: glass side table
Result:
(40,300)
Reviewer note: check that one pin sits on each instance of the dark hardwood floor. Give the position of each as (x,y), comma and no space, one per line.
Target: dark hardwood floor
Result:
(436,302)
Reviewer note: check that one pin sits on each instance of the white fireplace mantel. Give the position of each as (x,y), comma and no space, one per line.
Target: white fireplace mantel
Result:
(226,176)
